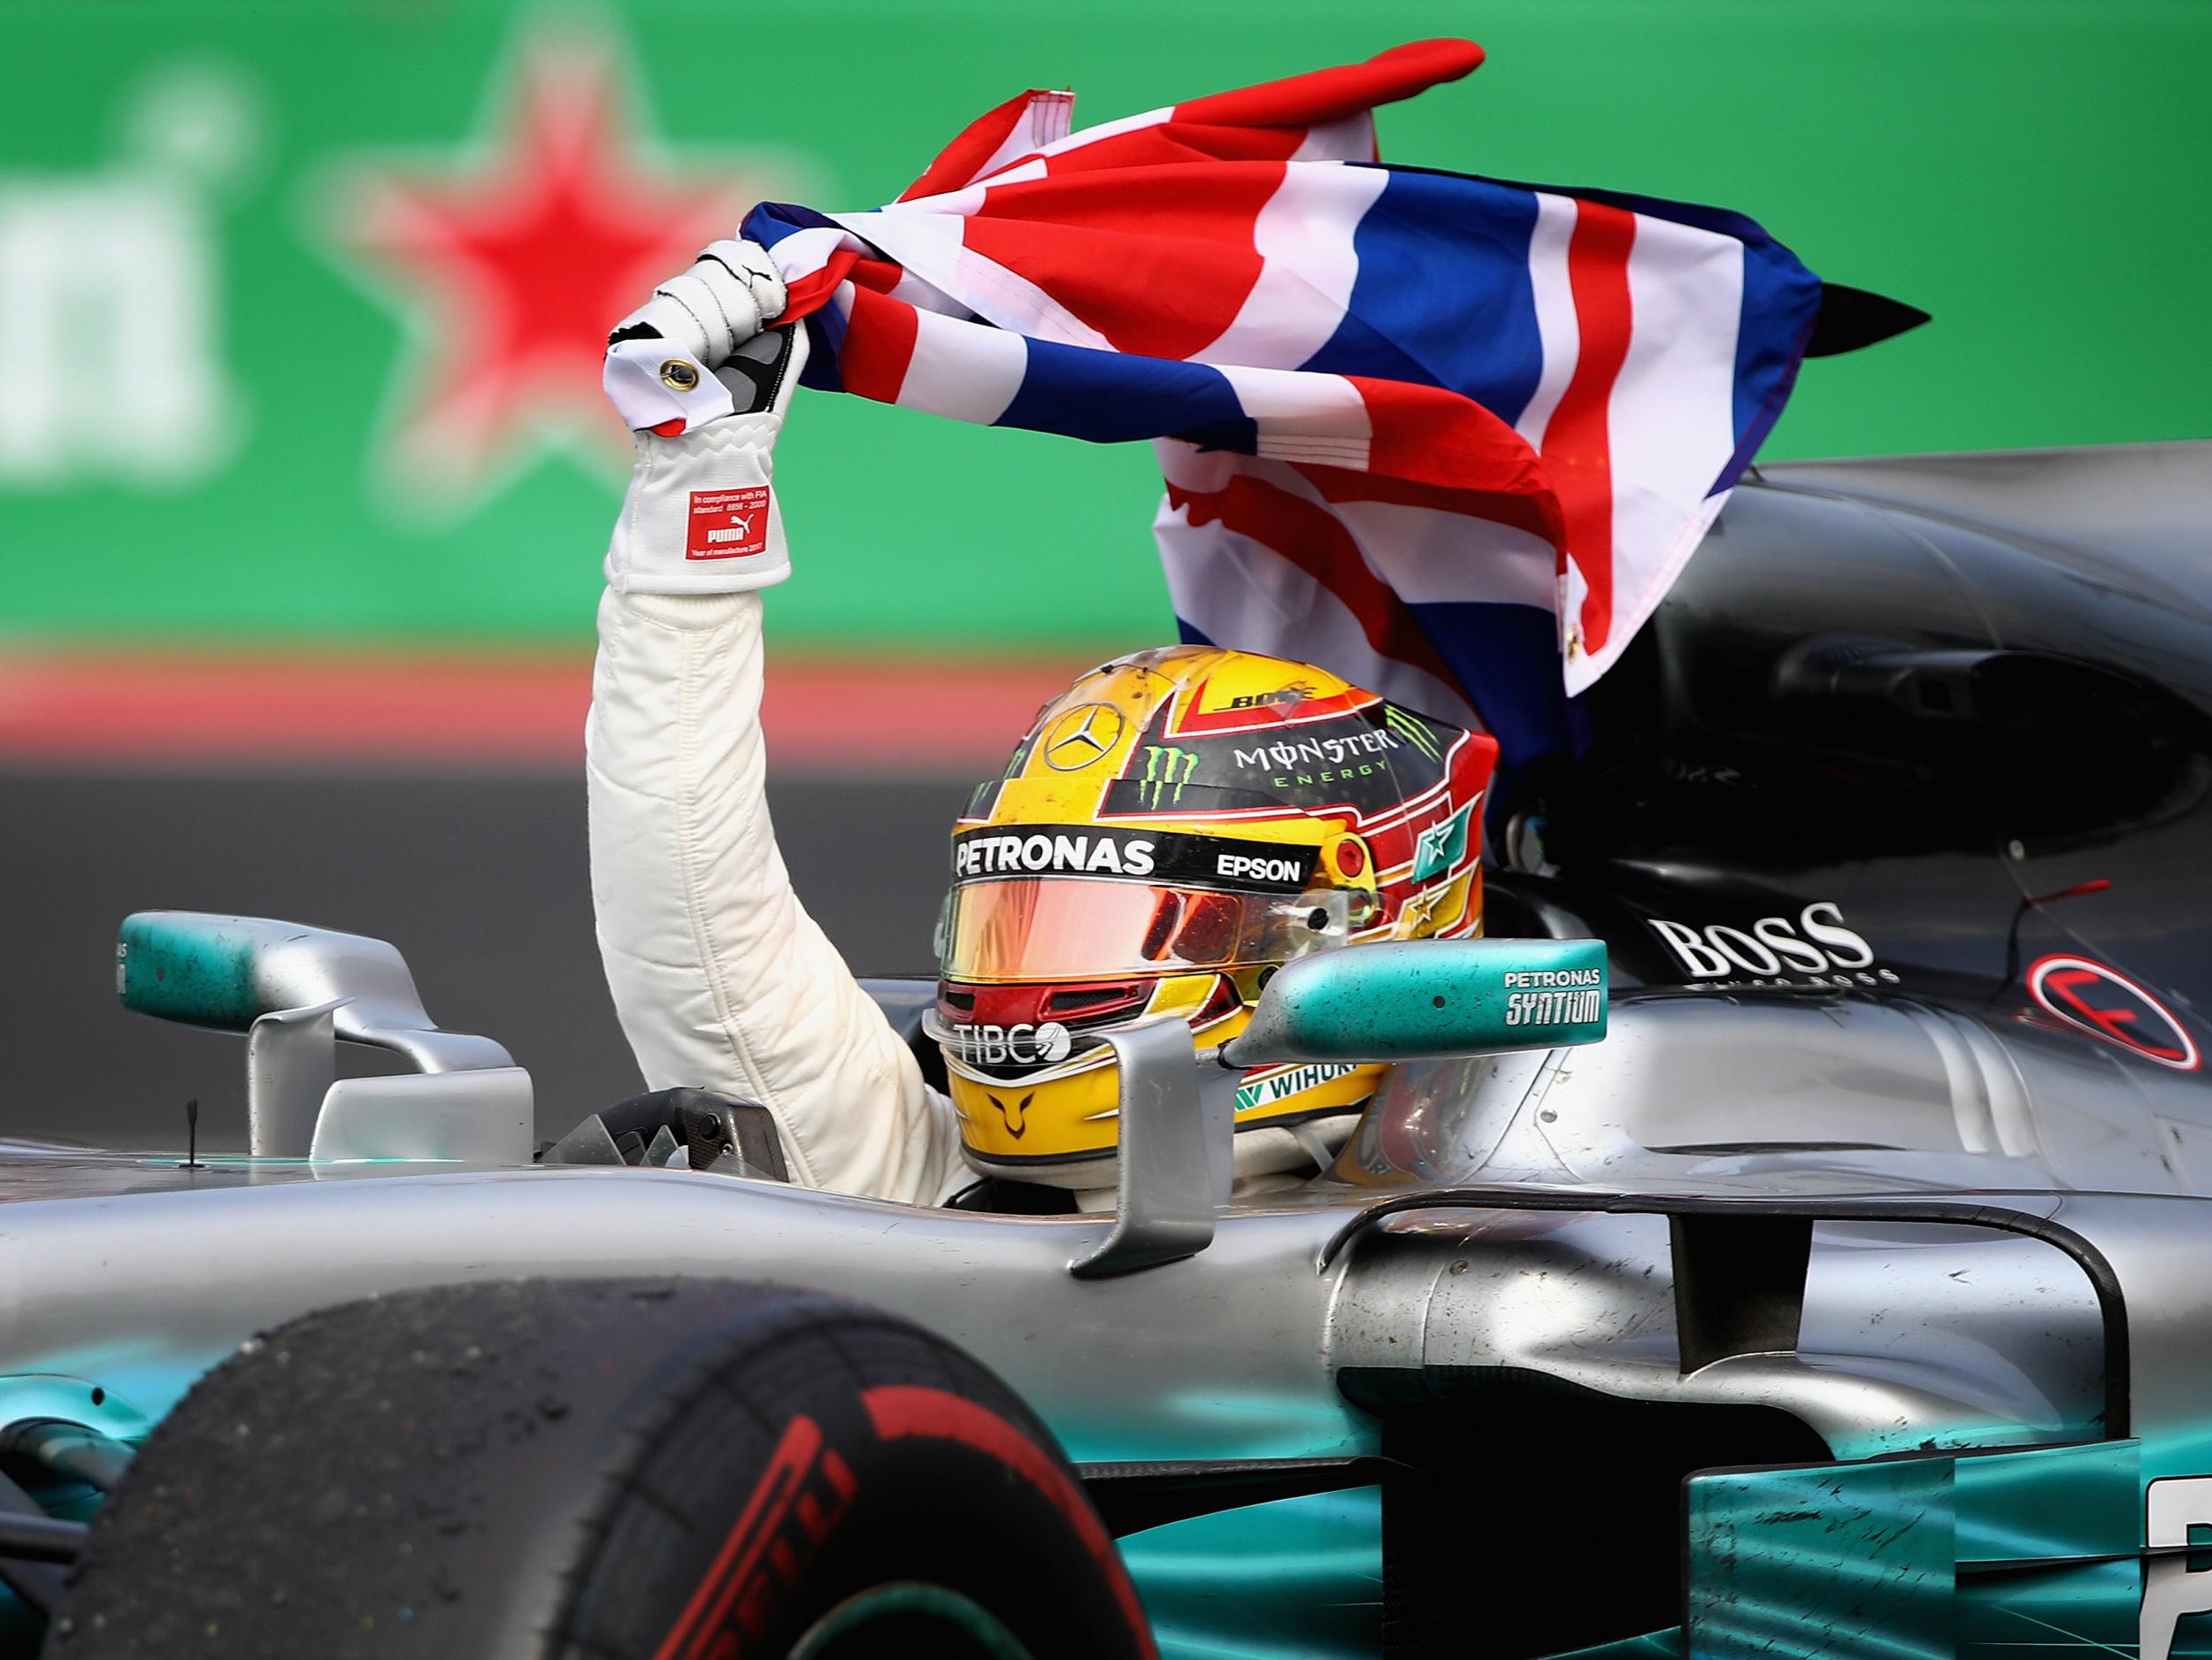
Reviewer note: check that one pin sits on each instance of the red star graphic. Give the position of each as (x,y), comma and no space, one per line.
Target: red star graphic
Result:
(515,266)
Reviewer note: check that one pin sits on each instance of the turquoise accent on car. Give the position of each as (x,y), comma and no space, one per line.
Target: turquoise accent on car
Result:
(2047,1502)
(1417,999)
(1786,1561)
(188,970)
(1975,1554)
(1983,1553)
(1653,1645)
(919,1614)
(1297,1579)
(30,1395)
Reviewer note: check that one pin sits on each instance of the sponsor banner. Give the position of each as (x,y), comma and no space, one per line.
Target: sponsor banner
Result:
(1041,1044)
(993,852)
(318,291)
(1275,1086)
(1369,759)
(1556,1008)
(1812,948)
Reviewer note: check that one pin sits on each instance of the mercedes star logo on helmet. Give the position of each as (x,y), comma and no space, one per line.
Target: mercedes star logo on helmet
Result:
(1081,736)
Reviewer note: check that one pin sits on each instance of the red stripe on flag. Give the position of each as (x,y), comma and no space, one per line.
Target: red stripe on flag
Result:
(1314,540)
(811,293)
(1176,143)
(1577,450)
(879,345)
(1093,241)
(1537,514)
(1432,436)
(1330,94)
(959,162)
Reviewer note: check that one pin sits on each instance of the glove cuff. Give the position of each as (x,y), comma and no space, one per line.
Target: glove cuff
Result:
(701,516)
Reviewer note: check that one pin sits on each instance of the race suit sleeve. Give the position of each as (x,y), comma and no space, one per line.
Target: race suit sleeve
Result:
(721,979)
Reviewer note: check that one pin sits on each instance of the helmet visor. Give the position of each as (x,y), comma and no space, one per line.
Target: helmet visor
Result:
(1066,928)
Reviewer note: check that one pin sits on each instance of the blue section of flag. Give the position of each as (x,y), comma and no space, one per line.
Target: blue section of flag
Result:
(1112,397)
(769,222)
(1777,288)
(1507,660)
(825,339)
(1428,243)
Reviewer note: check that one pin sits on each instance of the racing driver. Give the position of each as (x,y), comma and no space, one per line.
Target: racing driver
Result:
(1177,824)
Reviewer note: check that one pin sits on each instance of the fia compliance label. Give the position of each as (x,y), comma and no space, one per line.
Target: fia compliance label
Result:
(1571,996)
(727,524)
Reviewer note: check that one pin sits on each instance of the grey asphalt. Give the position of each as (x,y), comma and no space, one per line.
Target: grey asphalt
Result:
(480,880)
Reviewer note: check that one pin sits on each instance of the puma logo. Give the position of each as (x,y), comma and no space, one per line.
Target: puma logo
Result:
(1016,1117)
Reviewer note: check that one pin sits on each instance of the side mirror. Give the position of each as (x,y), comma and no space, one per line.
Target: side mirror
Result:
(295,992)
(1423,999)
(1413,1000)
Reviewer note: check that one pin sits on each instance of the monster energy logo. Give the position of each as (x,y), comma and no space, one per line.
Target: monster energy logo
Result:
(1165,772)
(1413,730)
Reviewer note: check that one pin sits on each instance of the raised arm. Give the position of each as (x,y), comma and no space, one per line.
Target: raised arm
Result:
(719,976)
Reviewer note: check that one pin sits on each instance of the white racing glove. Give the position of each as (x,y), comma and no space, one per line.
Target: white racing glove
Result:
(704,385)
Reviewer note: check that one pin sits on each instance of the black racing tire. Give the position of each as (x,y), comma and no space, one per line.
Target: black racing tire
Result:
(553,1469)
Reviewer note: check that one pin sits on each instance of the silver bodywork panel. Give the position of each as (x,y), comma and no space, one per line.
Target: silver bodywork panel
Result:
(1914,1333)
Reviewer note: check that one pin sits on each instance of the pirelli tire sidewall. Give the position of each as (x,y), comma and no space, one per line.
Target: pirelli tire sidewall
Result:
(869,1455)
(567,1469)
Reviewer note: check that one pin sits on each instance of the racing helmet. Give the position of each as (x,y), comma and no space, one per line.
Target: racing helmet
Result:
(1178,824)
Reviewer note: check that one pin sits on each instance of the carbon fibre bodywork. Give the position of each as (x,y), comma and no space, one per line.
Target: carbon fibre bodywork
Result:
(1850,1298)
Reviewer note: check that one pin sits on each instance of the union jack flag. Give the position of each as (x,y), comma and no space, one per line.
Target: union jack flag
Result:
(1437,434)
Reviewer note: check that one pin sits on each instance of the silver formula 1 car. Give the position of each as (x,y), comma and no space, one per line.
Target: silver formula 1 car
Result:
(1820,1264)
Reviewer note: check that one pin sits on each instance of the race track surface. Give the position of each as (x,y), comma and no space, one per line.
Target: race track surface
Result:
(479,879)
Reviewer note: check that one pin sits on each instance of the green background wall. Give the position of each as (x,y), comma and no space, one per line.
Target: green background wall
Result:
(2035,173)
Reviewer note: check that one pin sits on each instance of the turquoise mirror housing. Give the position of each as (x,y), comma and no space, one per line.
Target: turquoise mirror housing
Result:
(1423,999)
(182,966)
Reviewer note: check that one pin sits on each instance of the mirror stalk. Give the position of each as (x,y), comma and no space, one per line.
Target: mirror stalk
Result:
(291,1062)
(1175,1156)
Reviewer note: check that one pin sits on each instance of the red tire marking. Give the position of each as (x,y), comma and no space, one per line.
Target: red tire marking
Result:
(759,1557)
(900,1410)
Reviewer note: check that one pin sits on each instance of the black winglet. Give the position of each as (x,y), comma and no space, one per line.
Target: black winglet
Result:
(1851,318)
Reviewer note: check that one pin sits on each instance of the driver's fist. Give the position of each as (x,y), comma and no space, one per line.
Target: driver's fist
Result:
(704,384)
(666,369)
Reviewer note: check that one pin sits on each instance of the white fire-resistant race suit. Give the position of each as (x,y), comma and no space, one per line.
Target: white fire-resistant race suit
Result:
(719,976)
